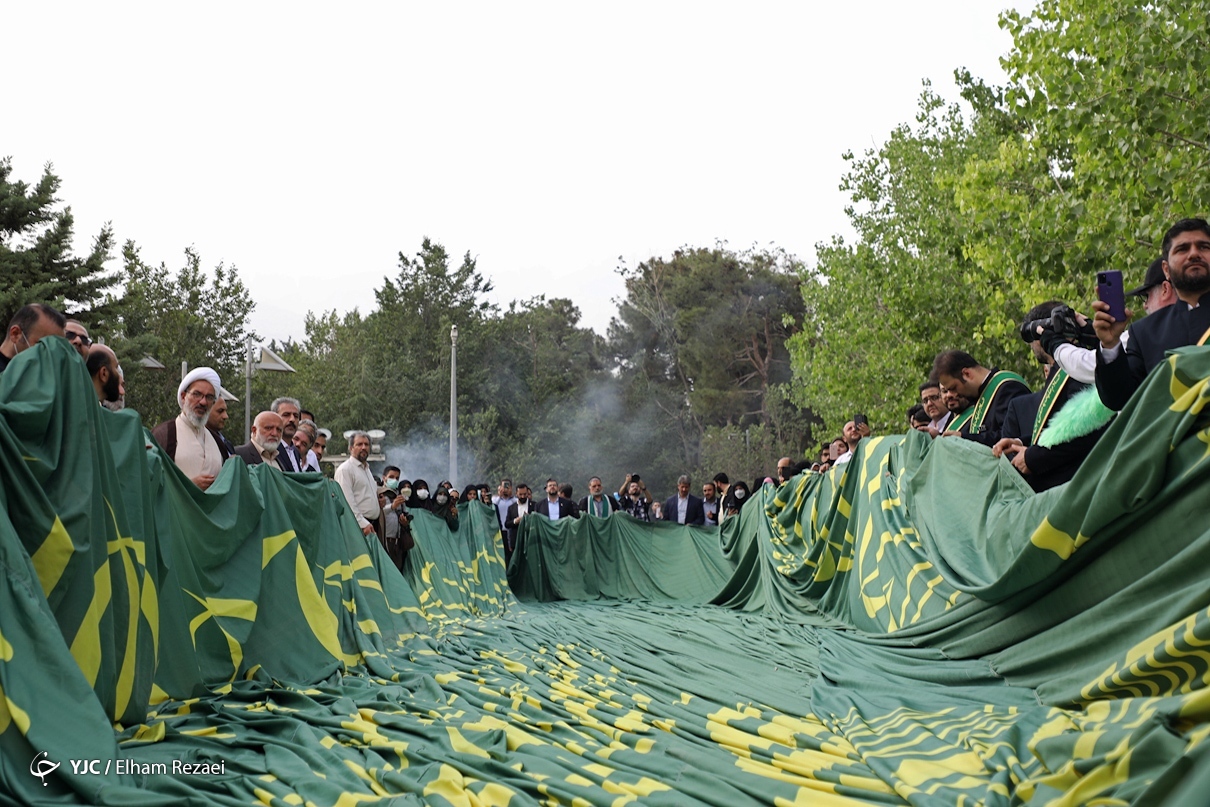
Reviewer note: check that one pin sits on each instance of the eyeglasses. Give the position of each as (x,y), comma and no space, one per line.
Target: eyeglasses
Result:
(199,396)
(930,398)
(73,336)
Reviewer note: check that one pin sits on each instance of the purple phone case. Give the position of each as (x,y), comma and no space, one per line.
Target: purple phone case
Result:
(1109,290)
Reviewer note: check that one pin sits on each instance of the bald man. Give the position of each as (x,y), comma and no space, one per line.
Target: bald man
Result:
(263,445)
(103,367)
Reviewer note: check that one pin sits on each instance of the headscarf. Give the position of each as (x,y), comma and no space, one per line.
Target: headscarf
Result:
(731,501)
(414,502)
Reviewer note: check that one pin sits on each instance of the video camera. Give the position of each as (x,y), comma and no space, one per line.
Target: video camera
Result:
(1060,326)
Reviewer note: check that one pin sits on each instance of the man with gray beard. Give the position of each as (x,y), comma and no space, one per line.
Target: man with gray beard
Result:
(186,439)
(264,442)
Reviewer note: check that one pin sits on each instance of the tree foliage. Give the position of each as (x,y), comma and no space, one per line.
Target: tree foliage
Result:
(964,221)
(701,339)
(907,288)
(182,316)
(36,260)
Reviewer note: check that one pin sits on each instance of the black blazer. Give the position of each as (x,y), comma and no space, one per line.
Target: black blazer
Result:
(694,512)
(1048,467)
(1150,338)
(511,515)
(249,453)
(567,508)
(284,463)
(997,410)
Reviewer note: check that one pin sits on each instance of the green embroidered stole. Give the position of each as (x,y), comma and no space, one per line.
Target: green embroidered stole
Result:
(994,382)
(960,419)
(592,506)
(1049,397)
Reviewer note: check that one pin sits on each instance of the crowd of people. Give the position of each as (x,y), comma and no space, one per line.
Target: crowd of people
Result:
(1092,367)
(961,398)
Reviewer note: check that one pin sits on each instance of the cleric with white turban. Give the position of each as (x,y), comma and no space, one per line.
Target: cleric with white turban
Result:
(197,452)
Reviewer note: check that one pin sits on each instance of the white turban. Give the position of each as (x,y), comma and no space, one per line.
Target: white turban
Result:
(199,374)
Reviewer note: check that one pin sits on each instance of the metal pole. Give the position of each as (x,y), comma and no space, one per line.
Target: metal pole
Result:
(248,391)
(454,404)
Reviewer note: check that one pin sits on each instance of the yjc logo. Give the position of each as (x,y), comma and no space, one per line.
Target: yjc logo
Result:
(43,768)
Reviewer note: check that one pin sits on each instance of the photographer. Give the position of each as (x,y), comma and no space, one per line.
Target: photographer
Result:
(1029,415)
(1068,337)
(634,498)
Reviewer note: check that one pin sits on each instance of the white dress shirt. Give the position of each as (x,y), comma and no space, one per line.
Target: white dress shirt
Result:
(360,490)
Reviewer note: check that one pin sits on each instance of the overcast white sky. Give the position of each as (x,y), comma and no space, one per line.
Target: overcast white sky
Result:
(308,144)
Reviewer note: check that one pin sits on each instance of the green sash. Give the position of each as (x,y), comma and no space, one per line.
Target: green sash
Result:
(994,381)
(592,506)
(1053,388)
(959,420)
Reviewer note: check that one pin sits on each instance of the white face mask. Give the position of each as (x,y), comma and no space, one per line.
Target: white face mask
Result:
(442,498)
(422,493)
(405,492)
(739,494)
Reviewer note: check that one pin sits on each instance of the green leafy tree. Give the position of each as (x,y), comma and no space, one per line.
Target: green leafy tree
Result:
(909,286)
(1112,146)
(390,368)
(36,260)
(186,316)
(553,401)
(701,342)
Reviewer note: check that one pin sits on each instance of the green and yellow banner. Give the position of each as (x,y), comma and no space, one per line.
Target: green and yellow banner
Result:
(916,627)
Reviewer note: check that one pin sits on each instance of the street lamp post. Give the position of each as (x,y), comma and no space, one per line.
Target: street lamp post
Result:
(454,404)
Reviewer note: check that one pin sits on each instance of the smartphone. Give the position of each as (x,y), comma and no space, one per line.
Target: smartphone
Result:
(860,420)
(1109,290)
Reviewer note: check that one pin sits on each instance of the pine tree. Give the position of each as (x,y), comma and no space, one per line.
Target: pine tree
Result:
(36,260)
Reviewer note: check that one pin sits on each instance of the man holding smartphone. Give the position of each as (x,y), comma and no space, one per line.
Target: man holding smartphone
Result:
(1122,368)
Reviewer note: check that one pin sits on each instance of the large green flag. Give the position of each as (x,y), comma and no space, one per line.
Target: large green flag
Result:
(917,627)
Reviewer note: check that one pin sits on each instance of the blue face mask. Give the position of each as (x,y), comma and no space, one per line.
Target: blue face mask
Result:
(393,484)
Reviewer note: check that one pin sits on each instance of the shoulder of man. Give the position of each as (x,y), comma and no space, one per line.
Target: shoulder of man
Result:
(220,442)
(165,437)
(248,453)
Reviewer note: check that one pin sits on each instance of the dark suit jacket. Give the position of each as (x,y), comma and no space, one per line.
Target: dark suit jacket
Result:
(511,515)
(1150,338)
(993,421)
(694,513)
(249,453)
(567,508)
(613,503)
(509,528)
(1019,419)
(1048,467)
(283,462)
